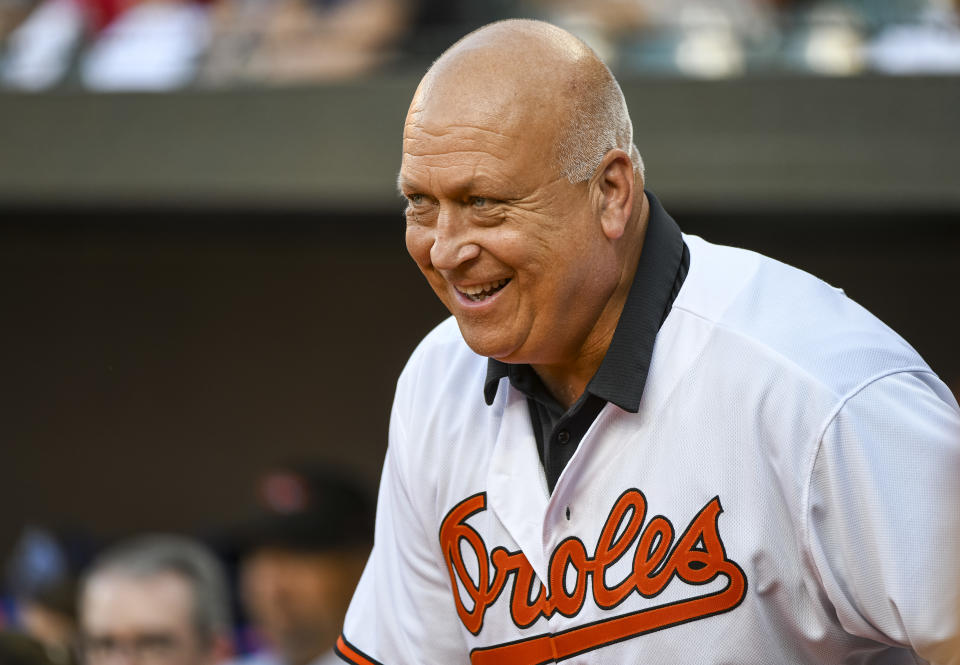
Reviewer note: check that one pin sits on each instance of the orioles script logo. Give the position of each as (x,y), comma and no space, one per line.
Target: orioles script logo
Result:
(697,558)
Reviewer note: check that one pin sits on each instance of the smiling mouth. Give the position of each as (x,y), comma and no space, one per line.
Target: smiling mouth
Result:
(480,292)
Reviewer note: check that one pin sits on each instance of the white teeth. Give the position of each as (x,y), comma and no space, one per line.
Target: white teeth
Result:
(481,291)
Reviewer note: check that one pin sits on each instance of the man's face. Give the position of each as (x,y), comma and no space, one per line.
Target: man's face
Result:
(140,620)
(512,249)
(298,599)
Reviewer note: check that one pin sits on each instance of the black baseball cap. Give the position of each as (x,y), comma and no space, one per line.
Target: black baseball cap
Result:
(307,508)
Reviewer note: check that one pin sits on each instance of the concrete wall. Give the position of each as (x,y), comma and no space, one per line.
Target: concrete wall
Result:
(797,141)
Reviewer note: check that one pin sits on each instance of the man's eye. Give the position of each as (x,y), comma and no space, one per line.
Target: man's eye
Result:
(155,644)
(479,201)
(416,199)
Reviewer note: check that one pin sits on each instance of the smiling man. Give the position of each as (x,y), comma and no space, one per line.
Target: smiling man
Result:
(629,445)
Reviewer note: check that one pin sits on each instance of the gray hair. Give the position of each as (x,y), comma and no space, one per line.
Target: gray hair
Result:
(158,554)
(598,122)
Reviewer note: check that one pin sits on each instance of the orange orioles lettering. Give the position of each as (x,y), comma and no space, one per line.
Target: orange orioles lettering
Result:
(697,557)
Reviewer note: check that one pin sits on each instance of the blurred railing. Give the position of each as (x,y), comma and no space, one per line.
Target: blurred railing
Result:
(758,142)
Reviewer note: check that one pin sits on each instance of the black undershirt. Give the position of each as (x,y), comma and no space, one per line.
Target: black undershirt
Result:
(622,374)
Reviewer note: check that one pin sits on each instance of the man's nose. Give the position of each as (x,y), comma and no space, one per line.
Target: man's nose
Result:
(453,244)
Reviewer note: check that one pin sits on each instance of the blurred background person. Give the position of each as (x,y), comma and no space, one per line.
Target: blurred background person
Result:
(144,44)
(157,45)
(698,38)
(150,45)
(924,41)
(155,600)
(298,41)
(300,560)
(19,649)
(41,44)
(724,38)
(41,575)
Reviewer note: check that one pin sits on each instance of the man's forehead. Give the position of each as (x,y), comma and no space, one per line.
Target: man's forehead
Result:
(464,158)
(497,127)
(117,600)
(441,109)
(425,136)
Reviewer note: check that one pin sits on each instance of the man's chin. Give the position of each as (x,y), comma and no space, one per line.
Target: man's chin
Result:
(304,650)
(484,343)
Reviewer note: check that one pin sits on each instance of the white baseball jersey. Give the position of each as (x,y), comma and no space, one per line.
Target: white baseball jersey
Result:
(788,493)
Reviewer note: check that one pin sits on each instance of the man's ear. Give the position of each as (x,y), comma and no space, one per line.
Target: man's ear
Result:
(615,187)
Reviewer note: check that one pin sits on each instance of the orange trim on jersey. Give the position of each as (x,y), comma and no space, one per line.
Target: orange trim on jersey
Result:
(351,654)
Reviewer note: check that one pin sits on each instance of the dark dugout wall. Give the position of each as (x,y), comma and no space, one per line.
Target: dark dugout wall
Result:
(153,363)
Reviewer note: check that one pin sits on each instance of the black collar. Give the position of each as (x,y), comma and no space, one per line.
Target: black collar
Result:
(623,371)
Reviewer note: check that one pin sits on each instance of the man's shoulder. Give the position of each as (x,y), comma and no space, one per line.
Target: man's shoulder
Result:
(442,347)
(443,360)
(444,336)
(439,409)
(780,311)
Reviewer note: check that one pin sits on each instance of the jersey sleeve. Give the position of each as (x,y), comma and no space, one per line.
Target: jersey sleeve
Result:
(883,515)
(402,612)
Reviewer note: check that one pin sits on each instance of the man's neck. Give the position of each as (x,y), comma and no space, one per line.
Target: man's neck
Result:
(568,380)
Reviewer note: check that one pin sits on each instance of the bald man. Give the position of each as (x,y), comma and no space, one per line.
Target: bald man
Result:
(628,445)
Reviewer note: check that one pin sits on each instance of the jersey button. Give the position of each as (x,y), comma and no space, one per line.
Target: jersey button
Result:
(563,436)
